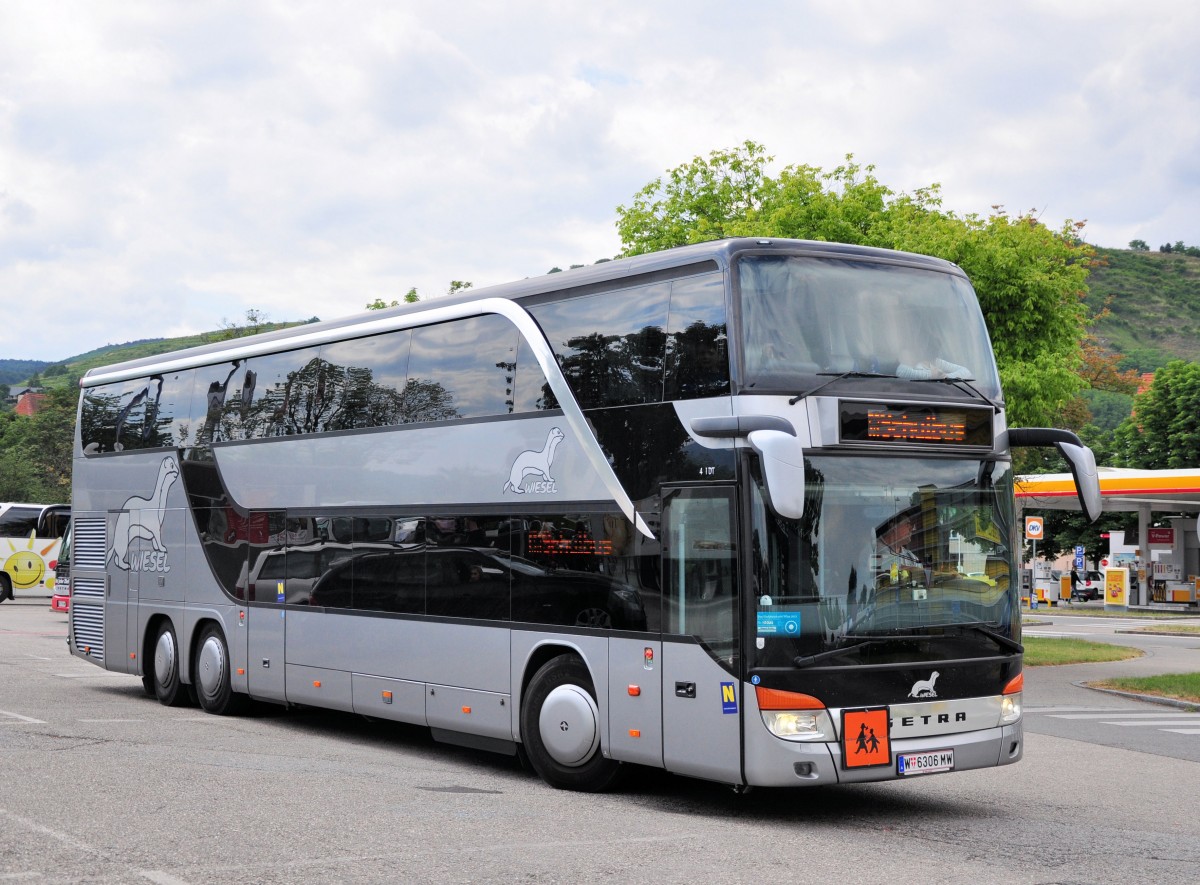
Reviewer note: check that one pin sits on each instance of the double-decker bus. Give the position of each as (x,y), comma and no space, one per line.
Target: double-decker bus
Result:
(741,510)
(30,537)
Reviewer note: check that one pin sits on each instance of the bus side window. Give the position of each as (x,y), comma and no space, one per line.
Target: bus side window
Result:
(697,363)
(611,346)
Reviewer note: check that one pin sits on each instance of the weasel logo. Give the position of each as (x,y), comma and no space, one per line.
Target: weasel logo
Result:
(150,512)
(923,688)
(535,463)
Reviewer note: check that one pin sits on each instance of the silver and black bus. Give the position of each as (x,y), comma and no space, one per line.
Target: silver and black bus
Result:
(741,510)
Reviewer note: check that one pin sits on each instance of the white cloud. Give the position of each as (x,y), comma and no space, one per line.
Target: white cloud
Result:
(164,166)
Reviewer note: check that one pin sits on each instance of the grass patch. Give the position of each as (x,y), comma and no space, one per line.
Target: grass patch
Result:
(1169,629)
(1041,651)
(1181,686)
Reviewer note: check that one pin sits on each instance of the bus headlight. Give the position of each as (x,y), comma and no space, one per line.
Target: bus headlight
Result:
(799,725)
(1010,700)
(794,716)
(1010,708)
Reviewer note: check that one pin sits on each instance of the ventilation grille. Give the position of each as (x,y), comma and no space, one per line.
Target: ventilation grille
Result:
(88,588)
(87,628)
(90,544)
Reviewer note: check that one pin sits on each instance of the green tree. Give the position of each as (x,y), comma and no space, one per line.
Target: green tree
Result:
(1030,279)
(1164,430)
(410,297)
(1139,246)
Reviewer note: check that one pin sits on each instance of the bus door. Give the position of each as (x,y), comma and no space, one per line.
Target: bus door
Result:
(265,592)
(701,628)
(124,587)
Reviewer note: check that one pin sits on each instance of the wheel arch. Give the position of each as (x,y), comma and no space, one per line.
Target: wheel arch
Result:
(538,657)
(149,634)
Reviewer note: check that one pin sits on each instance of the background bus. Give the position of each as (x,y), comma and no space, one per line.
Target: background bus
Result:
(30,536)
(722,510)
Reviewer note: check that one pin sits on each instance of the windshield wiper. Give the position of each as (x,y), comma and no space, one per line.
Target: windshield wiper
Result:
(999,638)
(836,378)
(801,661)
(809,660)
(962,384)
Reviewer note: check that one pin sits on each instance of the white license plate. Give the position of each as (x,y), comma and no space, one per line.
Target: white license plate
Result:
(925,763)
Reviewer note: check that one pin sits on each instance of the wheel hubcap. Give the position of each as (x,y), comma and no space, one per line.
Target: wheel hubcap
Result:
(569,725)
(164,658)
(211,666)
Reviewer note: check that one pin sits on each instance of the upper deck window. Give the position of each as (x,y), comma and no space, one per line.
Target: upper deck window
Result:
(805,317)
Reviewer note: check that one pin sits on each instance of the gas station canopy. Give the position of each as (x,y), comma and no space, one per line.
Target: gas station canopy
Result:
(1172,491)
(1140,491)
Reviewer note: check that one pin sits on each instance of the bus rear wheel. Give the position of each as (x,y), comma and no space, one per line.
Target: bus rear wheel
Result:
(165,675)
(211,675)
(6,590)
(560,728)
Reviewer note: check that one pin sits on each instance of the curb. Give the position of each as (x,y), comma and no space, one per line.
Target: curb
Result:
(1143,632)
(1190,706)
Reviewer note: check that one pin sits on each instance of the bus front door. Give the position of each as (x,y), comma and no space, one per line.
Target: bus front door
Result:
(701,696)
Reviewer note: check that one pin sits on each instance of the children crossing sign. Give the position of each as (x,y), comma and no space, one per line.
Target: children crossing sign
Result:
(1034,528)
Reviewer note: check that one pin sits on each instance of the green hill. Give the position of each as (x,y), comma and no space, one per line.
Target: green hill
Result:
(74,367)
(1153,299)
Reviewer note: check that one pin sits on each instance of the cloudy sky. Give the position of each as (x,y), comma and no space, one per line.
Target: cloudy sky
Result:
(166,166)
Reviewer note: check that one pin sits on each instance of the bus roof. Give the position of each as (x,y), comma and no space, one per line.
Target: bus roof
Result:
(717,254)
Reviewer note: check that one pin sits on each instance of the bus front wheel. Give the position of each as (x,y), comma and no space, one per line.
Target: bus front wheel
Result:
(560,728)
(211,672)
(165,676)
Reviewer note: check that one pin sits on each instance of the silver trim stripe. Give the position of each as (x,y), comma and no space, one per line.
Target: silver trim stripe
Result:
(517,315)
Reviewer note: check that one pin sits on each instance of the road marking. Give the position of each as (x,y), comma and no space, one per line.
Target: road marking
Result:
(1183,730)
(161,878)
(65,838)
(1154,723)
(21,718)
(110,720)
(1117,714)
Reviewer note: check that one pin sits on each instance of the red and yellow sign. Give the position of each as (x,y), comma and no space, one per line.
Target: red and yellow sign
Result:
(865,738)
(1116,586)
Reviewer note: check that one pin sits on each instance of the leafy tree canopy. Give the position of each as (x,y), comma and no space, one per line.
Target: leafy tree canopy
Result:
(1164,430)
(1030,279)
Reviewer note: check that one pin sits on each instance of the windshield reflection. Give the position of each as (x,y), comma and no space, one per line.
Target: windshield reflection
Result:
(806,318)
(886,548)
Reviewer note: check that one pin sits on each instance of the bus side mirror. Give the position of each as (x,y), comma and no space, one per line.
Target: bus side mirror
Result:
(1080,458)
(782,459)
(1087,480)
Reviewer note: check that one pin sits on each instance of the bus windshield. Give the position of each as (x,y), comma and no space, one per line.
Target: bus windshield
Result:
(886,549)
(806,317)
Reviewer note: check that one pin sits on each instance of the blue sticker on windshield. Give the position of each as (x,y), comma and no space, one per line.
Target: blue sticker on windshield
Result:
(778,623)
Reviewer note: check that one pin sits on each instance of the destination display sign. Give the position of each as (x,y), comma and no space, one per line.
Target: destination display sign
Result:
(915,424)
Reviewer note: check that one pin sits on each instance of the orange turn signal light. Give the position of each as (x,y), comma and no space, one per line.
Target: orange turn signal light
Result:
(1016,684)
(777,699)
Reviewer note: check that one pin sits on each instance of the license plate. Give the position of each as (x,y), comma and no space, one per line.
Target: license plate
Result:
(925,763)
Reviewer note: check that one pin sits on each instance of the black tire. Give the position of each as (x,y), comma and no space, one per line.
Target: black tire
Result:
(6,590)
(164,664)
(560,728)
(211,675)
